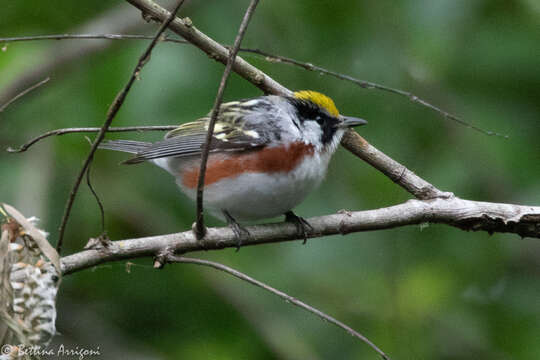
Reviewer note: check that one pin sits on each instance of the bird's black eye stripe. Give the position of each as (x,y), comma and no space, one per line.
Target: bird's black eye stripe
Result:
(308,111)
(329,128)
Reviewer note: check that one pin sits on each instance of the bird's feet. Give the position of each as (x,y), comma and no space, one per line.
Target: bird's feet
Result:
(302,226)
(241,233)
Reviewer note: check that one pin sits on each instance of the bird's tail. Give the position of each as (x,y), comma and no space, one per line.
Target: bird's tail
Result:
(128,146)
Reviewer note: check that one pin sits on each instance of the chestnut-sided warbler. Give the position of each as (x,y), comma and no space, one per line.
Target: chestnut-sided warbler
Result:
(267,153)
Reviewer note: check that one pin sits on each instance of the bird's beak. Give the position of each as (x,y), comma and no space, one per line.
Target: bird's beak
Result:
(349,121)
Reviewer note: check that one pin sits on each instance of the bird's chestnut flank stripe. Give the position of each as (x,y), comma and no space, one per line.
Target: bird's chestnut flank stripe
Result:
(266,160)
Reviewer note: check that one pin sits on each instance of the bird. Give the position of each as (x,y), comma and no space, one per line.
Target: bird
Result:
(266,155)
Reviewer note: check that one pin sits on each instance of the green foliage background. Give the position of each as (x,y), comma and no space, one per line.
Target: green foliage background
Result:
(418,293)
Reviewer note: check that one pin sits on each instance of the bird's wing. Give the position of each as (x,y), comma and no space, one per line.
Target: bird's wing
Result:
(232,132)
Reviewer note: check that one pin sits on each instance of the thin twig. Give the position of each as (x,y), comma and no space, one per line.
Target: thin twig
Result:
(58,132)
(22,93)
(113,110)
(98,200)
(200,228)
(88,37)
(180,259)
(369,85)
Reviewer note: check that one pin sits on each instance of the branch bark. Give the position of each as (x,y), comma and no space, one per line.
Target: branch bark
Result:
(463,214)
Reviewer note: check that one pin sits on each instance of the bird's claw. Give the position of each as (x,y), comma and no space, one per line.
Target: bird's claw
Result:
(240,232)
(302,226)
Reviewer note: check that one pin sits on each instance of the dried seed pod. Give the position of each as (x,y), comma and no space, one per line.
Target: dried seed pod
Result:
(29,303)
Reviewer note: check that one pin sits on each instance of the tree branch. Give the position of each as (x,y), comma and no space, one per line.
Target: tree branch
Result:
(463,214)
(444,208)
(352,141)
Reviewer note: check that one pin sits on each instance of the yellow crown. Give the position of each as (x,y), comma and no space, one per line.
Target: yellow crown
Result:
(320,99)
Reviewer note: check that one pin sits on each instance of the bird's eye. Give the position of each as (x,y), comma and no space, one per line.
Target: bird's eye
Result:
(318,119)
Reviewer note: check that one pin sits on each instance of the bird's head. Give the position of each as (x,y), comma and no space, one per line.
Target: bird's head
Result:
(318,117)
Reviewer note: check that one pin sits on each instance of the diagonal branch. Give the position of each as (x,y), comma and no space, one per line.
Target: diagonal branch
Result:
(352,141)
(200,229)
(22,93)
(113,110)
(289,299)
